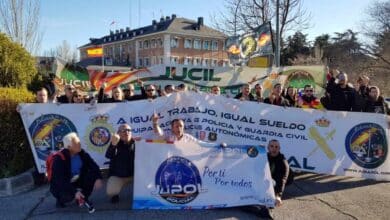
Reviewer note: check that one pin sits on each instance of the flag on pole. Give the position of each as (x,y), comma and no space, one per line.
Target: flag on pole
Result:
(95,52)
(246,47)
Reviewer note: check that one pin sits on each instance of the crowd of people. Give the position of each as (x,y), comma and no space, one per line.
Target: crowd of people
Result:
(77,175)
(340,95)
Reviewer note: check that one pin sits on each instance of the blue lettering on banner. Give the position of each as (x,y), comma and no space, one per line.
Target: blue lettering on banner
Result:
(293,162)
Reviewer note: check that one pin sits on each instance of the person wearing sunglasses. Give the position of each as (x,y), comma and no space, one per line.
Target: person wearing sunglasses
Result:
(67,98)
(121,153)
(150,92)
(308,100)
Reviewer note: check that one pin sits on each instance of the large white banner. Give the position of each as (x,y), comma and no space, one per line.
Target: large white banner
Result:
(197,176)
(340,143)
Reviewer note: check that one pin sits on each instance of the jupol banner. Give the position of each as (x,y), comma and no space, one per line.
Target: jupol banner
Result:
(339,143)
(200,176)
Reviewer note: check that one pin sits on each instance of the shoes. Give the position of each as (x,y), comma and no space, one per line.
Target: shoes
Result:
(260,211)
(90,207)
(264,213)
(115,199)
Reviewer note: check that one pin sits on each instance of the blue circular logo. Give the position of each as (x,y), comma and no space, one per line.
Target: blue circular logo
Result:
(178,180)
(47,132)
(366,145)
(99,136)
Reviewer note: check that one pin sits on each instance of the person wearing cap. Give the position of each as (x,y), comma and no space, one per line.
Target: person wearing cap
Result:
(67,98)
(342,95)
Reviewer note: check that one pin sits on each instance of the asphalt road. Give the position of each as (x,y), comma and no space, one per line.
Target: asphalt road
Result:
(312,196)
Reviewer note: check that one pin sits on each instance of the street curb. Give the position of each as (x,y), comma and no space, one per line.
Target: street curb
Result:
(16,184)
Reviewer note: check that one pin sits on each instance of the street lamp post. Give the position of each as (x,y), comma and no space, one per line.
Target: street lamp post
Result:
(277,53)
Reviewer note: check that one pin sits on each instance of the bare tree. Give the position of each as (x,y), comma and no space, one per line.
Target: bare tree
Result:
(244,15)
(20,20)
(64,51)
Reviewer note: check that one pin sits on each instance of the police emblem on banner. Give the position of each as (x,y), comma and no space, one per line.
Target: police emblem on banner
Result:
(47,132)
(252,151)
(178,181)
(366,145)
(98,133)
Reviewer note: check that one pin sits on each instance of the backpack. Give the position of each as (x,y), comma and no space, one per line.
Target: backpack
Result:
(49,163)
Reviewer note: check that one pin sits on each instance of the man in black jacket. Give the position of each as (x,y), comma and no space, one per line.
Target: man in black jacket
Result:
(245,94)
(121,154)
(74,176)
(342,95)
(279,169)
(67,98)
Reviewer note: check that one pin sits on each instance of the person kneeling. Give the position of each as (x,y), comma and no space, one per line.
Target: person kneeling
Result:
(75,174)
(121,155)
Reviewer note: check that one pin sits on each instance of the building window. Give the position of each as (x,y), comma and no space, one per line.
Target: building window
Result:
(174,60)
(109,39)
(206,45)
(197,61)
(140,60)
(114,37)
(146,44)
(206,62)
(121,36)
(134,33)
(187,61)
(153,60)
(153,43)
(127,35)
(147,61)
(215,45)
(174,42)
(104,40)
(187,43)
(130,47)
(139,44)
(214,62)
(197,44)
(159,42)
(161,60)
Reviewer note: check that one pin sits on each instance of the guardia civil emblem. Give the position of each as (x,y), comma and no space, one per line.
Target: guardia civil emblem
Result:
(98,133)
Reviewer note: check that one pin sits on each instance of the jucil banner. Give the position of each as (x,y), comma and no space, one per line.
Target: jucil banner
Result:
(339,143)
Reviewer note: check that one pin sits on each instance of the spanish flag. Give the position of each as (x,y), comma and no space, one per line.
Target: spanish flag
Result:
(95,52)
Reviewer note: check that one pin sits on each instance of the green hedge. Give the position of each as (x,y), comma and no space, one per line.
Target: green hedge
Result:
(15,153)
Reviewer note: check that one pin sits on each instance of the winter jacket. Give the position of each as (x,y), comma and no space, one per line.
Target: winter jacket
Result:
(61,172)
(121,159)
(279,171)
